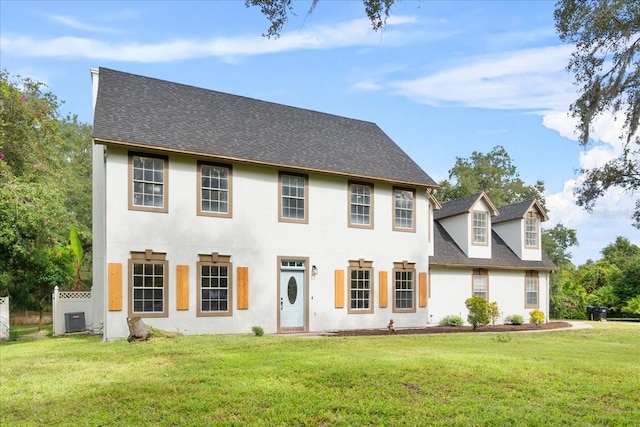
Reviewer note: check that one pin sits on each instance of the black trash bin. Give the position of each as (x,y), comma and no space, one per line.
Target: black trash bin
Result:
(597,312)
(601,313)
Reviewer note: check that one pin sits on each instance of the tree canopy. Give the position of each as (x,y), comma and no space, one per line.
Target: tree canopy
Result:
(278,11)
(494,173)
(606,67)
(45,188)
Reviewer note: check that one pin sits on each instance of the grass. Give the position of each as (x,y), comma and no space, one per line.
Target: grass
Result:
(581,377)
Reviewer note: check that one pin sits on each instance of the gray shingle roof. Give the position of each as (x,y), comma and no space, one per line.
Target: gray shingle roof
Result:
(518,211)
(448,253)
(146,112)
(462,205)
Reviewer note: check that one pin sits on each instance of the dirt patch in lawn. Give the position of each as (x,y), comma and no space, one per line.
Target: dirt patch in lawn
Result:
(450,329)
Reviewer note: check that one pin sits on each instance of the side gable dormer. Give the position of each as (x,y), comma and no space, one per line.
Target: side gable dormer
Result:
(468,222)
(519,226)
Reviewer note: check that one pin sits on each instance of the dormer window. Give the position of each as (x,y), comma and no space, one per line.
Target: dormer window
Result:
(531,227)
(480,228)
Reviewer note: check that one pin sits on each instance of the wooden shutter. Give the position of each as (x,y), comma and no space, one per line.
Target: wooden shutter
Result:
(182,288)
(243,288)
(115,286)
(383,285)
(339,288)
(422,278)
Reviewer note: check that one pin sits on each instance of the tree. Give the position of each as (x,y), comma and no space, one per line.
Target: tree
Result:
(606,67)
(556,242)
(277,12)
(621,252)
(34,196)
(493,173)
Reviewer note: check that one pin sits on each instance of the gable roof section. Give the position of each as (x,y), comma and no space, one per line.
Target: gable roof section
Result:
(464,205)
(518,211)
(143,112)
(449,254)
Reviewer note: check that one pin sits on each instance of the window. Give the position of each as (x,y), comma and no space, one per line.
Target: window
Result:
(480,285)
(360,286)
(214,285)
(214,196)
(531,285)
(293,198)
(531,225)
(404,287)
(148,272)
(404,208)
(360,205)
(480,229)
(148,182)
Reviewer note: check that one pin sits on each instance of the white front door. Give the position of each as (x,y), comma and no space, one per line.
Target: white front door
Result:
(292,296)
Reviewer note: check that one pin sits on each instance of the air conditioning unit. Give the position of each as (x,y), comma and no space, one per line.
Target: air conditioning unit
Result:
(74,322)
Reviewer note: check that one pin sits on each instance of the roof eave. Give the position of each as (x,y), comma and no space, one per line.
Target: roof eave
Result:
(152,148)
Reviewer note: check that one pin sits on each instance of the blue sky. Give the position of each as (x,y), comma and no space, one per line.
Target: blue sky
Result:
(443,79)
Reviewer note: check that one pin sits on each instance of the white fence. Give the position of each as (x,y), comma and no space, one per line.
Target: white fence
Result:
(4,318)
(66,303)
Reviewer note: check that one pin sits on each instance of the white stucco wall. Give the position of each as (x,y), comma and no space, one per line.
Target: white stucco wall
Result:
(458,228)
(254,238)
(450,287)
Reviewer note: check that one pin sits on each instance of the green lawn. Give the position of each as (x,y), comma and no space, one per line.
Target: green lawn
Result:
(580,377)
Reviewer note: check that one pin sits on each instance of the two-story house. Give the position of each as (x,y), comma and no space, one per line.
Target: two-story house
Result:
(493,253)
(213,213)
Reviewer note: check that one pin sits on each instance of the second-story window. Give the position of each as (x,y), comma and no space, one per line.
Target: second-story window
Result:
(215,189)
(480,228)
(531,226)
(293,198)
(360,205)
(404,209)
(148,182)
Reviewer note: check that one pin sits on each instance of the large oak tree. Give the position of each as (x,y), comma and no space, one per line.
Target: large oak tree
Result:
(606,68)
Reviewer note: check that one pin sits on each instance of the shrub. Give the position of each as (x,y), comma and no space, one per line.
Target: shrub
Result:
(514,319)
(478,311)
(537,317)
(258,331)
(451,320)
(494,312)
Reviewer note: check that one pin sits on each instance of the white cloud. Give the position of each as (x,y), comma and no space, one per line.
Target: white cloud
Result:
(611,214)
(367,86)
(79,25)
(351,33)
(533,79)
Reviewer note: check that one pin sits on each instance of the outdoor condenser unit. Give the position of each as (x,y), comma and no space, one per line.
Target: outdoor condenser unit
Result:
(74,322)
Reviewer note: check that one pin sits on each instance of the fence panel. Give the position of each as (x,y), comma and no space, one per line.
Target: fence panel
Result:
(71,302)
(4,318)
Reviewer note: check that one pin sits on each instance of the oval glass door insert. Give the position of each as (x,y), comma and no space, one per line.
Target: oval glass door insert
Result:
(292,290)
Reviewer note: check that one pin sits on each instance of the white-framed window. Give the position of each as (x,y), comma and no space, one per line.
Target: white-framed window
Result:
(214,285)
(148,182)
(531,227)
(480,283)
(531,289)
(214,197)
(294,201)
(404,209)
(480,228)
(360,205)
(404,287)
(360,286)
(148,284)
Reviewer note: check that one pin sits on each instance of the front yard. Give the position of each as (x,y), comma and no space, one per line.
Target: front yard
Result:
(578,377)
